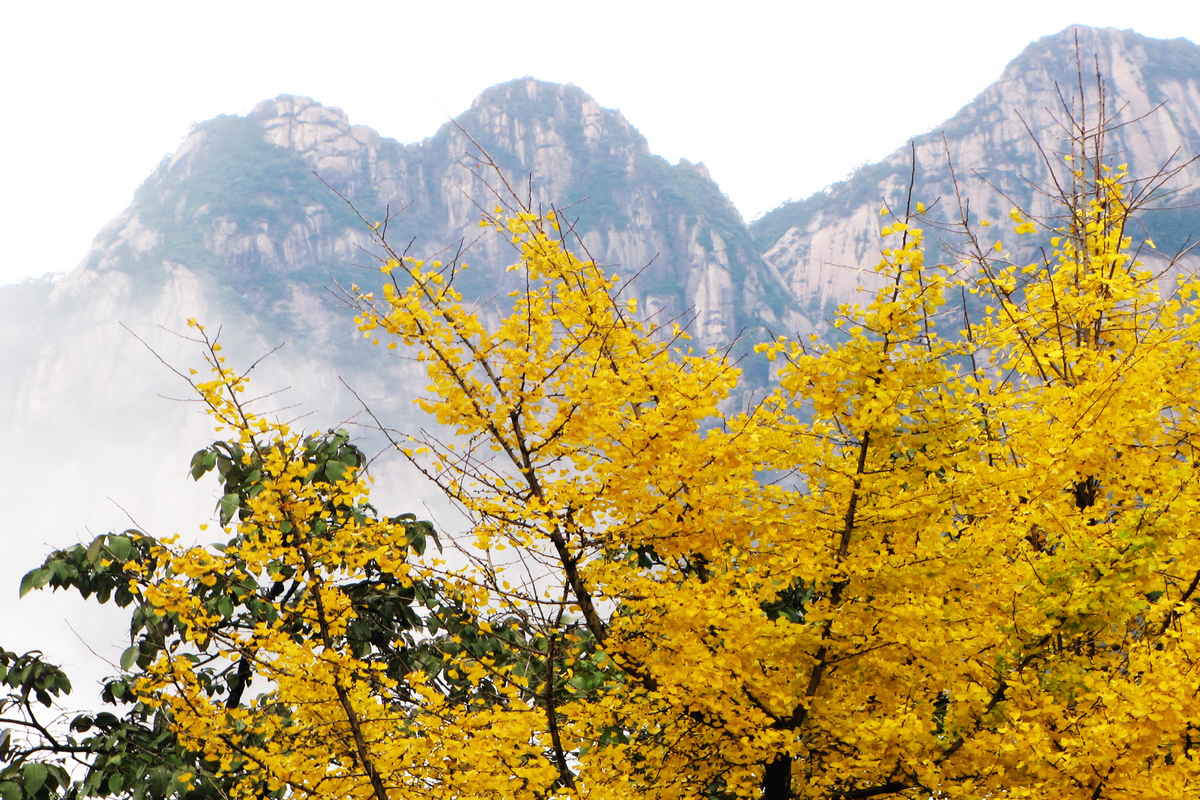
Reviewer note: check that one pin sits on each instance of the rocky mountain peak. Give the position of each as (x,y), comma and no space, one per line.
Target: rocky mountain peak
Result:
(1125,58)
(1002,145)
(322,135)
(553,105)
(246,215)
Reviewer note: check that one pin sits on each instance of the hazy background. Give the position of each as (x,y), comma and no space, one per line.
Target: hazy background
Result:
(778,99)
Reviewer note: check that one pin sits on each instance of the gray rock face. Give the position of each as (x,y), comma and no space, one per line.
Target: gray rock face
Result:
(826,246)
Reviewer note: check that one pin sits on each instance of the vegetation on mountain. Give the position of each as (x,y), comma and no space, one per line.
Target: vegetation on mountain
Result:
(237,176)
(952,555)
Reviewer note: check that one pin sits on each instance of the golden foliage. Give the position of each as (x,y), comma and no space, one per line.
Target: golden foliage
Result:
(935,558)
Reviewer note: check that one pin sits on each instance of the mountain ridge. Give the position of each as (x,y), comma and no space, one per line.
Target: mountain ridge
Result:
(574,151)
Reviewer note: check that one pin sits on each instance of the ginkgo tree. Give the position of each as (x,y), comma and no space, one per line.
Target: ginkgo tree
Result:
(953,555)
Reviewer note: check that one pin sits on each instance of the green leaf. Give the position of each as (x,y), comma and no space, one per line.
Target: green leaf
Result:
(63,571)
(202,462)
(35,775)
(10,791)
(335,470)
(416,539)
(225,606)
(120,547)
(94,550)
(129,657)
(160,780)
(427,528)
(197,466)
(228,507)
(587,681)
(35,579)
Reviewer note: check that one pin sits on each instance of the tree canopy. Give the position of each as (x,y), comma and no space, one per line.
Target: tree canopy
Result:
(953,554)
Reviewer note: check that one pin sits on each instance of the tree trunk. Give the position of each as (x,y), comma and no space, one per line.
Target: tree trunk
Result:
(777,779)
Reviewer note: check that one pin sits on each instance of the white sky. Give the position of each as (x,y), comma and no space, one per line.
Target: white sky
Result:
(778,99)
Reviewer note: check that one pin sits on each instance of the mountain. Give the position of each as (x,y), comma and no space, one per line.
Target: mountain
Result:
(236,230)
(826,245)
